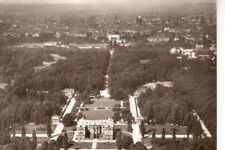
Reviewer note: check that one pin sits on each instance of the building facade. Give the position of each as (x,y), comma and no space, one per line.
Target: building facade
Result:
(55,119)
(91,129)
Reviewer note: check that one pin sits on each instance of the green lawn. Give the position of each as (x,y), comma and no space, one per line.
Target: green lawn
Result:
(72,128)
(70,135)
(168,129)
(98,114)
(40,129)
(81,145)
(146,141)
(106,145)
(121,127)
(103,102)
(41,140)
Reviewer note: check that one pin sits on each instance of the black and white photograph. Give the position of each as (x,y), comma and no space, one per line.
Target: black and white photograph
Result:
(111,74)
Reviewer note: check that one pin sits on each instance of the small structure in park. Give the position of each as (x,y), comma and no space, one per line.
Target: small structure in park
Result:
(113,38)
(55,119)
(91,129)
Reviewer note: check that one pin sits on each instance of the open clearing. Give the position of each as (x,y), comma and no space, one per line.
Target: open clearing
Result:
(168,128)
(40,129)
(98,114)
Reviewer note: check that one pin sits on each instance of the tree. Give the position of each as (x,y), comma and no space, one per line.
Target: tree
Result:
(52,145)
(116,116)
(142,129)
(129,127)
(119,140)
(163,133)
(80,115)
(174,133)
(49,129)
(59,140)
(137,146)
(14,130)
(4,138)
(175,115)
(197,129)
(28,145)
(7,136)
(23,132)
(34,139)
(126,141)
(68,120)
(123,140)
(65,141)
(188,131)
(153,134)
(87,132)
(44,146)
(149,112)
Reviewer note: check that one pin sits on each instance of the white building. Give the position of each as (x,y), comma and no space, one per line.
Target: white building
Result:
(55,119)
(3,85)
(36,35)
(159,38)
(113,38)
(188,53)
(199,45)
(95,129)
(50,44)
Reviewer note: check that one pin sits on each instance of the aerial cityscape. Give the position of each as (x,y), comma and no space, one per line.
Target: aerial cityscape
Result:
(108,75)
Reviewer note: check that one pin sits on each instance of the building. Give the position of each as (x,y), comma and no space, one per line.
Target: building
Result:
(50,44)
(182,52)
(90,129)
(158,38)
(189,53)
(113,38)
(3,85)
(139,21)
(87,46)
(55,119)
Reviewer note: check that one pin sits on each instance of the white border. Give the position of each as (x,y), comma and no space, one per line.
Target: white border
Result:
(221,74)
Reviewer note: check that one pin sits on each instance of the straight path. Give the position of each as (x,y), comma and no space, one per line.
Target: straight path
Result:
(170,136)
(136,134)
(59,128)
(30,135)
(205,130)
(133,108)
(94,144)
(105,92)
(70,106)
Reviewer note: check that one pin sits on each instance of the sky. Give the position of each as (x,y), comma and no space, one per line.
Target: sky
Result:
(101,1)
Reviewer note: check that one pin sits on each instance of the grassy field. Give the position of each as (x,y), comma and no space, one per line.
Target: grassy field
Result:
(107,145)
(40,129)
(72,128)
(98,114)
(82,145)
(179,130)
(41,140)
(70,135)
(146,141)
(103,102)
(121,127)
